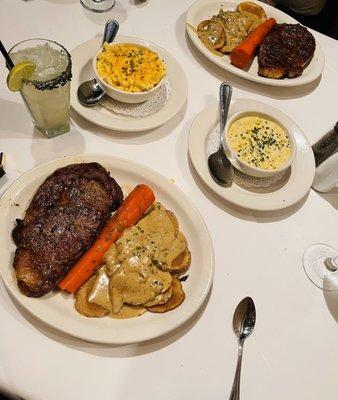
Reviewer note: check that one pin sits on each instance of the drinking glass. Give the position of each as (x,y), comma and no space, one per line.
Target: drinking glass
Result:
(98,5)
(320,263)
(47,92)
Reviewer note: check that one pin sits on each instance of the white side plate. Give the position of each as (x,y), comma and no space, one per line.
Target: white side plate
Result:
(57,309)
(82,70)
(281,195)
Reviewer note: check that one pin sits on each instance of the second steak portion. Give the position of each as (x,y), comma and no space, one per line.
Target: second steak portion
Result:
(63,219)
(285,51)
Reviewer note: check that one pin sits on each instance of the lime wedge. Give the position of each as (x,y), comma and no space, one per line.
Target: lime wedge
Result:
(18,74)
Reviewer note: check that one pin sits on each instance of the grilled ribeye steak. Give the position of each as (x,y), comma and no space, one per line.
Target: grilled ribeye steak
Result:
(285,51)
(63,219)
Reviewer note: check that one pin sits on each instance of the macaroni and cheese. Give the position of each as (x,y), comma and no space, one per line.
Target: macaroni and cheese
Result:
(129,67)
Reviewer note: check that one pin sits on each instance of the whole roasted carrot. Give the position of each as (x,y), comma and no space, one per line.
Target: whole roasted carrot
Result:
(244,53)
(130,211)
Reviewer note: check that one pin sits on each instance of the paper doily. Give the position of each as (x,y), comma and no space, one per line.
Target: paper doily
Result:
(252,181)
(240,178)
(139,109)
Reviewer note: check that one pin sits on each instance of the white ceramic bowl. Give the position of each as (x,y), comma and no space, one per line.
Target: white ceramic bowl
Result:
(120,95)
(275,116)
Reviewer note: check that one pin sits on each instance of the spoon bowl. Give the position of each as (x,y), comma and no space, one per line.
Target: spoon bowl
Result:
(244,318)
(219,166)
(90,92)
(243,323)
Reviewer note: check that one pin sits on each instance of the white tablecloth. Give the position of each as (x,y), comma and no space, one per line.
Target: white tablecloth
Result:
(293,351)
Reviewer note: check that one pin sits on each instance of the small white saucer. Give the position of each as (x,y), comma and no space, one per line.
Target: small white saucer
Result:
(284,193)
(82,70)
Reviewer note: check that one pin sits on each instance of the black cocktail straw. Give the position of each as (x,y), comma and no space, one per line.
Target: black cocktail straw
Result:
(9,62)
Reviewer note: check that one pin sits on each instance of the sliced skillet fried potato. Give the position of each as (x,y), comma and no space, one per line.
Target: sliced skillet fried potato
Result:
(252,8)
(128,311)
(174,220)
(237,26)
(249,20)
(181,263)
(83,306)
(178,246)
(211,33)
(160,298)
(176,299)
(137,292)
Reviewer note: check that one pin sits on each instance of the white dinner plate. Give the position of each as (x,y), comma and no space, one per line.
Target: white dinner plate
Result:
(204,9)
(57,309)
(280,195)
(82,57)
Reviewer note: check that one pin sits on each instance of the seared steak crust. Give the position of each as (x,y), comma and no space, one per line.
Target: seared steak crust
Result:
(285,51)
(63,219)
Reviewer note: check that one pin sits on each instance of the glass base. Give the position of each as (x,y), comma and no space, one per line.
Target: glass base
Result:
(319,263)
(98,5)
(50,133)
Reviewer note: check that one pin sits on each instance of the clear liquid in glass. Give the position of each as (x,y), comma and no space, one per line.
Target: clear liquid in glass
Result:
(47,92)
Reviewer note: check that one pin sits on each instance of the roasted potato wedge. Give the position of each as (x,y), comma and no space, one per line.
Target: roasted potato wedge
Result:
(83,306)
(253,8)
(181,263)
(176,299)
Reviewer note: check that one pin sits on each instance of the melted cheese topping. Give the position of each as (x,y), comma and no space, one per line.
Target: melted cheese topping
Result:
(259,142)
(129,67)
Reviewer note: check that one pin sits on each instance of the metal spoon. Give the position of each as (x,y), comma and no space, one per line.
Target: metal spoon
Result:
(219,166)
(243,323)
(90,93)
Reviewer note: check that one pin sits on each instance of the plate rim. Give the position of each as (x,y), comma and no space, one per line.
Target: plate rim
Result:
(287,82)
(212,186)
(123,125)
(15,294)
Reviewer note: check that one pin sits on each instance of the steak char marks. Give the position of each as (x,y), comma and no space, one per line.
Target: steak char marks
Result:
(285,51)
(63,219)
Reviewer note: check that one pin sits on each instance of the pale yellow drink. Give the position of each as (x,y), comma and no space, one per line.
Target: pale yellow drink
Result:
(47,91)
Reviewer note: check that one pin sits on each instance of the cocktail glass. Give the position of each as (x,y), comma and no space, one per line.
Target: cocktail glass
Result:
(47,92)
(320,263)
(98,5)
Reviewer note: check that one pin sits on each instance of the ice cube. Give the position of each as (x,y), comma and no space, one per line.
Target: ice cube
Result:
(49,62)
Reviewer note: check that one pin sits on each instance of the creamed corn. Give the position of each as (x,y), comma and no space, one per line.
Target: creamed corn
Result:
(259,142)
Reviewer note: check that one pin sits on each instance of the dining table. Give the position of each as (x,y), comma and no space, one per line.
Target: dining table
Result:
(293,351)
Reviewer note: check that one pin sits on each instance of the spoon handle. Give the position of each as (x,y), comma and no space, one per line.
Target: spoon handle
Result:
(110,30)
(225,93)
(234,395)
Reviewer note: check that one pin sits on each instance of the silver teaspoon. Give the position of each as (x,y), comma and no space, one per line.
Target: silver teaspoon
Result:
(90,93)
(243,323)
(219,166)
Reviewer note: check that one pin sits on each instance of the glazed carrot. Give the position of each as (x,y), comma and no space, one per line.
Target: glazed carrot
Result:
(130,211)
(243,53)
